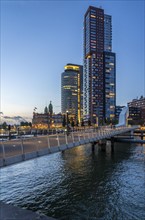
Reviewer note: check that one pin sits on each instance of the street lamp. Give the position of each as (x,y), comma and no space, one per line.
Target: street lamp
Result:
(67,122)
(34,117)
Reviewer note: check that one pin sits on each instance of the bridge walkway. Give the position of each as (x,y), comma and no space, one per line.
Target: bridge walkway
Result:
(21,149)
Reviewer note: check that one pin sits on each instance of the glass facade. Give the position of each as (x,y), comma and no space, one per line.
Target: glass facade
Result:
(93,63)
(99,66)
(107,33)
(110,84)
(71,90)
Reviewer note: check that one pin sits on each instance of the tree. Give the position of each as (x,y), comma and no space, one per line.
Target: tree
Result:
(89,123)
(4,125)
(45,110)
(64,121)
(82,123)
(30,124)
(9,127)
(108,121)
(25,123)
(72,123)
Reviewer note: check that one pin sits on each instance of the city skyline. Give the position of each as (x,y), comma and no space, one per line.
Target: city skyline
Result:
(39,38)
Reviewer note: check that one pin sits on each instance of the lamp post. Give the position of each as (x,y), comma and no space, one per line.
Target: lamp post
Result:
(9,129)
(34,117)
(67,123)
(98,115)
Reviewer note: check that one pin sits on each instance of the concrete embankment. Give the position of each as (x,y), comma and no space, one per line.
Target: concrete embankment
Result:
(10,212)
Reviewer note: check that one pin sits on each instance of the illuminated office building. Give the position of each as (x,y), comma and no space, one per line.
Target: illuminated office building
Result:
(137,109)
(110,85)
(138,102)
(72,91)
(99,79)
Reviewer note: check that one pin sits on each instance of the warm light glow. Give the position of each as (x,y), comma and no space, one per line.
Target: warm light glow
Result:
(93,16)
(89,56)
(79,99)
(67,87)
(142,128)
(71,67)
(111,94)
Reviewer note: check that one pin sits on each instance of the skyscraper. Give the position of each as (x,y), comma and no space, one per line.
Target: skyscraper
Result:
(99,66)
(109,85)
(72,91)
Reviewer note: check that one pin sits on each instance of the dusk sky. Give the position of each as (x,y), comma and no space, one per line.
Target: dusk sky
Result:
(38,38)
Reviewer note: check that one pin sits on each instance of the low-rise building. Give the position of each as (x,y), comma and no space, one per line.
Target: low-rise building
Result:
(137,111)
(143,115)
(139,102)
(46,120)
(134,113)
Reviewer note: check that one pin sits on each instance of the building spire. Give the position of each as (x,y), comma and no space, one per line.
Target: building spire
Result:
(50,108)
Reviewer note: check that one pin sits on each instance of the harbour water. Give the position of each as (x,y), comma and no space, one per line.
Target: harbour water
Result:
(79,184)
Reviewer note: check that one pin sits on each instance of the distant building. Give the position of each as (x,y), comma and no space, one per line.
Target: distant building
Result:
(137,110)
(72,91)
(99,66)
(139,102)
(143,115)
(47,120)
(134,113)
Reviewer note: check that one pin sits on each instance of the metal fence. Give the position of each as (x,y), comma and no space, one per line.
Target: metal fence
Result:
(25,144)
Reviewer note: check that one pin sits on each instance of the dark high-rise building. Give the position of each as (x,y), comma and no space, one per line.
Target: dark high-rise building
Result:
(109,85)
(72,91)
(99,66)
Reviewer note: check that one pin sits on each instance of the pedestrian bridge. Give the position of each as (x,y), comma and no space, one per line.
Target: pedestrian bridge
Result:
(25,148)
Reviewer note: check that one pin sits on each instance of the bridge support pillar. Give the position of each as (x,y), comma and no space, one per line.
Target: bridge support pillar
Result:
(102,144)
(141,135)
(112,144)
(93,147)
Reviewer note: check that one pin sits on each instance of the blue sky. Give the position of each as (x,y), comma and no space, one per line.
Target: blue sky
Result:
(38,38)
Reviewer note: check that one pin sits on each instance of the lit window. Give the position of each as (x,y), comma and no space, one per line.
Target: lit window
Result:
(93,16)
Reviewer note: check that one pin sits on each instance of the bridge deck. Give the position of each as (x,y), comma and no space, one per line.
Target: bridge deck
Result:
(18,150)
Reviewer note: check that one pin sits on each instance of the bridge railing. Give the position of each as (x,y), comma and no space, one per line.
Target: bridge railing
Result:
(22,145)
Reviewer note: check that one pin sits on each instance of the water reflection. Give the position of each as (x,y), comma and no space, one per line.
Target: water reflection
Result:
(79,184)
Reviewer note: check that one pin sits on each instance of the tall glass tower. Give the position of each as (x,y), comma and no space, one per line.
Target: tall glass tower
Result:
(99,66)
(72,91)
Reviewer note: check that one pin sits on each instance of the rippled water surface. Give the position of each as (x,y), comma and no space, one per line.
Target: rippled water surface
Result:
(79,184)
